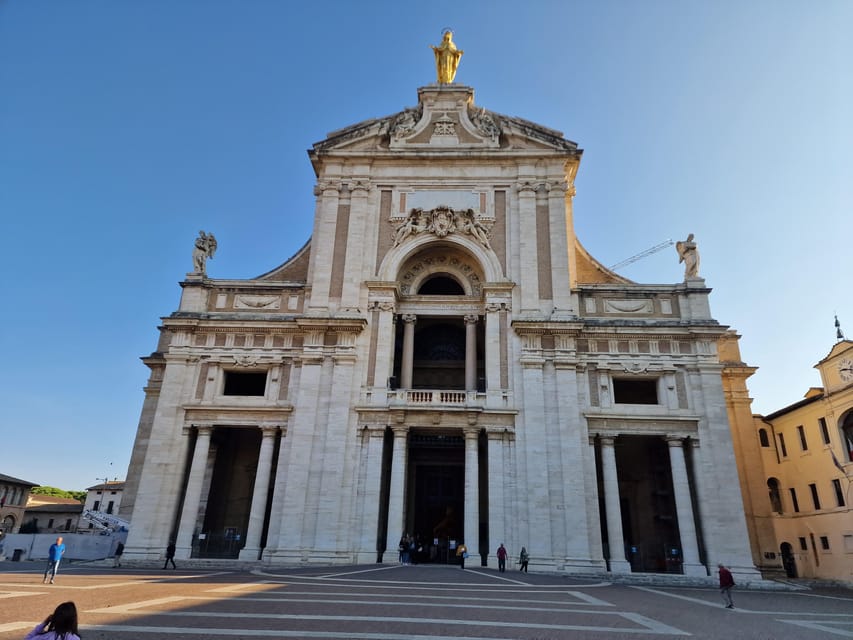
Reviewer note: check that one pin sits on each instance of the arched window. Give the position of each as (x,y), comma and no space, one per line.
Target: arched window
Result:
(775,496)
(847,430)
(762,438)
(441,285)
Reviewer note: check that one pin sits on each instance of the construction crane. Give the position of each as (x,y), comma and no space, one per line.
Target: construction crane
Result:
(642,254)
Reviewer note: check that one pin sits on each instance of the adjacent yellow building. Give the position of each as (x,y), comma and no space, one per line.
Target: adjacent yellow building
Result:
(795,470)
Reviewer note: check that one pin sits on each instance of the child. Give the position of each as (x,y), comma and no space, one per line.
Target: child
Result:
(60,625)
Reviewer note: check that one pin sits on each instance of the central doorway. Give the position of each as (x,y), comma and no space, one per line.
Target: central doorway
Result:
(436,496)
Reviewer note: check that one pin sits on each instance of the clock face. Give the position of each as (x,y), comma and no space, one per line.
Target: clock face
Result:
(845,369)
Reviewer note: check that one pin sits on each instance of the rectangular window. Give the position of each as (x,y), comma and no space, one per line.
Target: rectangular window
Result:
(794,502)
(68,524)
(839,493)
(824,543)
(50,524)
(848,543)
(635,391)
(239,383)
(802,433)
(804,546)
(782,446)
(96,506)
(824,432)
(815,497)
(110,506)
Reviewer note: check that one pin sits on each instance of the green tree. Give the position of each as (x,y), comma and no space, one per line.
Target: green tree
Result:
(80,496)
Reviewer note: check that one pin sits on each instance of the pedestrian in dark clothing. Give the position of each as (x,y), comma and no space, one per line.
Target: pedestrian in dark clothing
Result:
(119,551)
(727,582)
(523,559)
(170,555)
(501,558)
(462,553)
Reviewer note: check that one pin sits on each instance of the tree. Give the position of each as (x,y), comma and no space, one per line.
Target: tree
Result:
(80,496)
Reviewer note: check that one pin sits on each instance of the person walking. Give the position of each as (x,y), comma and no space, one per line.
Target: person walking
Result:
(54,555)
(117,558)
(502,558)
(523,559)
(170,555)
(727,582)
(462,553)
(60,625)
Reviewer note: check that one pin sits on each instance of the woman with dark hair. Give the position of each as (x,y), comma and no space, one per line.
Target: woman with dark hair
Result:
(60,625)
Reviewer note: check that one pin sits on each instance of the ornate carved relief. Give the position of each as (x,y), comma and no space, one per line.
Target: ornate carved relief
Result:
(441,222)
(404,124)
(381,305)
(628,306)
(257,302)
(434,262)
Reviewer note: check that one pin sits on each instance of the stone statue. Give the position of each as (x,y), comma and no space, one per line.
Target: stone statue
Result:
(689,255)
(467,222)
(205,247)
(446,58)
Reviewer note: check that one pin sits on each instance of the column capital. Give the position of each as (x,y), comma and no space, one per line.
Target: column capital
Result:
(409,318)
(693,442)
(607,441)
(270,430)
(471,433)
(674,441)
(203,427)
(472,319)
(400,431)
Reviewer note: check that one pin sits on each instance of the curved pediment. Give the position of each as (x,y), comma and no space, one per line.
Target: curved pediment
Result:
(445,119)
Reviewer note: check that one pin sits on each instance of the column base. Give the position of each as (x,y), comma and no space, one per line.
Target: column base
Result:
(620,566)
(694,570)
(183,553)
(251,554)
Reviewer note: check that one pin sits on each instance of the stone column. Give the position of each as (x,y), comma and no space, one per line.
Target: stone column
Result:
(615,539)
(323,245)
(528,250)
(192,496)
(373,440)
(252,549)
(471,353)
(397,494)
(498,497)
(561,234)
(354,264)
(472,492)
(384,349)
(408,356)
(684,509)
(493,349)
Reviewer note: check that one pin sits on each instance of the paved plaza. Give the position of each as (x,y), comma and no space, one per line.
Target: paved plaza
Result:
(403,602)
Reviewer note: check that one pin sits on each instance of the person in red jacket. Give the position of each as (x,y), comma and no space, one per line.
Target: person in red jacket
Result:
(502,558)
(726,584)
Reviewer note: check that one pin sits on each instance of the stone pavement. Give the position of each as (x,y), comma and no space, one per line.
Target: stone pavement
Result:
(395,602)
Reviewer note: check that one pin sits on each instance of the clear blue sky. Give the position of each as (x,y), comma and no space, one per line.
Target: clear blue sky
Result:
(125,127)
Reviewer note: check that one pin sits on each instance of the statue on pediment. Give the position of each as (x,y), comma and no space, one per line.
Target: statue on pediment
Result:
(688,253)
(447,58)
(205,247)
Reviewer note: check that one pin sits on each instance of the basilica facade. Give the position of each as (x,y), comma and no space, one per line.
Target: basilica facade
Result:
(443,359)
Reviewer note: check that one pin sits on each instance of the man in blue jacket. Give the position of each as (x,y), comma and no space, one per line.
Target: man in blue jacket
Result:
(54,555)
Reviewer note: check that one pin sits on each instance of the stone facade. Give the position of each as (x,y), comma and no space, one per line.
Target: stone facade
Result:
(14,494)
(444,359)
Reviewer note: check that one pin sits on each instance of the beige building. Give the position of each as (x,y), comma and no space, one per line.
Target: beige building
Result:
(442,358)
(52,514)
(14,493)
(795,468)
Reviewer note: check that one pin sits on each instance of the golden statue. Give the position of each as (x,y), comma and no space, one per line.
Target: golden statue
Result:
(446,58)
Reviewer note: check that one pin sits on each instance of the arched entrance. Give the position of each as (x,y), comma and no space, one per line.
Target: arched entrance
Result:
(788,561)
